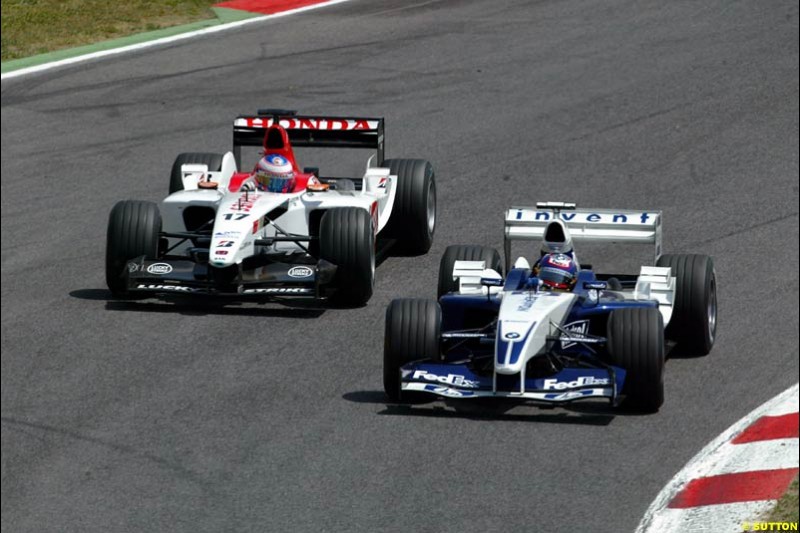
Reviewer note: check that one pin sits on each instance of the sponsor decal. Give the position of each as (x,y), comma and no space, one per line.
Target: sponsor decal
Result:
(582,381)
(300,272)
(561,260)
(279,290)
(159,269)
(456,380)
(528,302)
(382,183)
(221,252)
(311,123)
(133,267)
(225,244)
(452,393)
(606,218)
(581,327)
(571,395)
(175,288)
(227,234)
(244,203)
(513,335)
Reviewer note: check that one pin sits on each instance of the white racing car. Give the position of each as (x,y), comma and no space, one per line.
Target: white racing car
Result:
(220,232)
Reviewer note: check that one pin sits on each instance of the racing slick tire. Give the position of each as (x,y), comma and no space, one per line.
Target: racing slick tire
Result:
(413,327)
(133,231)
(464,252)
(693,326)
(347,239)
(413,219)
(636,343)
(213,161)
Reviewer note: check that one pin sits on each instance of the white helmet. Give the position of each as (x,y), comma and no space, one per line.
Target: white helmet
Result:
(274,173)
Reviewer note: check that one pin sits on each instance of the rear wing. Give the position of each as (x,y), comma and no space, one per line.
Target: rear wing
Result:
(584,225)
(306,130)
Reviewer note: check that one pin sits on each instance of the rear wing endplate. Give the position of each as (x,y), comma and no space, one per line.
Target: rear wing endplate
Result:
(584,225)
(310,131)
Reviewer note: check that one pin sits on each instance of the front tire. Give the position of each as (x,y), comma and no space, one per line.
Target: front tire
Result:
(347,239)
(133,231)
(636,343)
(213,161)
(413,219)
(413,327)
(464,252)
(693,326)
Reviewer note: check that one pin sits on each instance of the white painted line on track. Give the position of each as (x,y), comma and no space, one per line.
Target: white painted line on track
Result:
(164,40)
(721,457)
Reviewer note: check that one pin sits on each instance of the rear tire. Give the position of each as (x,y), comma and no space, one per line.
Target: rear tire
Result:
(636,343)
(347,239)
(693,326)
(464,252)
(413,327)
(413,219)
(133,231)
(213,161)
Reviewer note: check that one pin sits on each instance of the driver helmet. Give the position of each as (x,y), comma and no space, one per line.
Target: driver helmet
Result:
(558,272)
(274,173)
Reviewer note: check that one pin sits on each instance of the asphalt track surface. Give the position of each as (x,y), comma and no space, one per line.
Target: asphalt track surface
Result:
(165,416)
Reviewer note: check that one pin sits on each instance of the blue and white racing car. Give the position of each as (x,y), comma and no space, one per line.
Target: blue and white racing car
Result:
(553,331)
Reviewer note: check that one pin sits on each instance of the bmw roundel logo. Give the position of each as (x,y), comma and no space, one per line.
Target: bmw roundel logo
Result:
(512,335)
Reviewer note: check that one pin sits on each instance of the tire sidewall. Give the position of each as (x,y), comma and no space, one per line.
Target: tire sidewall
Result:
(347,239)
(412,222)
(412,333)
(133,231)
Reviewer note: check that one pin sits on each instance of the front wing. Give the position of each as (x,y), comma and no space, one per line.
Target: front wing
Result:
(183,276)
(459,381)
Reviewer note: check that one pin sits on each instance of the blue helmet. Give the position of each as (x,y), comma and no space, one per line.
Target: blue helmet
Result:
(559,272)
(274,173)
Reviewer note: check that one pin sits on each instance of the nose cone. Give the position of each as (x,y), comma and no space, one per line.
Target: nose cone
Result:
(524,324)
(517,343)
(221,257)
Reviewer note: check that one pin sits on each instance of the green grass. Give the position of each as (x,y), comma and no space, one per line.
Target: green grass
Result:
(31,27)
(786,509)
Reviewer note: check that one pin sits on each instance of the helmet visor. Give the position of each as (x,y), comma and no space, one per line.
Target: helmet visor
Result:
(556,278)
(275,182)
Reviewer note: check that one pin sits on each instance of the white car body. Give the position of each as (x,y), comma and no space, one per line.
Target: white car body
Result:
(241,216)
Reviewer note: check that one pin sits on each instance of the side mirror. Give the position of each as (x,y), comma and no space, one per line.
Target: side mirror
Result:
(317,187)
(595,285)
(491,278)
(594,288)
